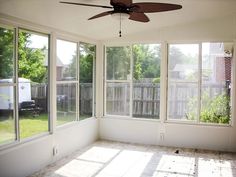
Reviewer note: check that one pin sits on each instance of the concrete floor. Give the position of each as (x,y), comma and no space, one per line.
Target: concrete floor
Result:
(114,159)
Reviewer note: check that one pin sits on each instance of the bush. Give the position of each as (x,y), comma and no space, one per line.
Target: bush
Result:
(214,110)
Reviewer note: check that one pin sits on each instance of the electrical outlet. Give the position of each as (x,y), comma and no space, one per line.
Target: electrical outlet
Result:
(162,136)
(55,150)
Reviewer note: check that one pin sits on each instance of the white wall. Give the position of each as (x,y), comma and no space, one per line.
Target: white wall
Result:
(175,134)
(24,159)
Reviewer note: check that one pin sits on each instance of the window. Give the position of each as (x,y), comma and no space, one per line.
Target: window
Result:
(118,80)
(86,78)
(146,80)
(133,81)
(67,81)
(23,84)
(33,83)
(183,81)
(216,82)
(199,82)
(7,86)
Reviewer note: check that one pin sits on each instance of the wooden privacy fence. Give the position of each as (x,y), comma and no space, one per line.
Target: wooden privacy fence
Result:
(181,94)
(66,97)
(146,98)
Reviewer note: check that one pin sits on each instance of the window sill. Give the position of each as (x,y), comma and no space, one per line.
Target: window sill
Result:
(129,118)
(73,123)
(183,122)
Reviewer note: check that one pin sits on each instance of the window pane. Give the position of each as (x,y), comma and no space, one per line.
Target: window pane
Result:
(216,82)
(6,53)
(7,121)
(66,60)
(66,103)
(33,83)
(183,81)
(118,63)
(146,80)
(118,99)
(86,59)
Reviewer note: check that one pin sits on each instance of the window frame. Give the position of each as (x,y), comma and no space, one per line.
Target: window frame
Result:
(94,79)
(233,79)
(77,81)
(15,84)
(48,35)
(130,82)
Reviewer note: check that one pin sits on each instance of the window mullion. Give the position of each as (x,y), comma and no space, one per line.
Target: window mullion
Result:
(16,90)
(105,83)
(78,83)
(131,81)
(199,82)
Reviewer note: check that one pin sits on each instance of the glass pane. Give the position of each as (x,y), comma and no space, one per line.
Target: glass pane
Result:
(183,81)
(7,121)
(66,60)
(33,83)
(118,63)
(6,53)
(86,59)
(66,103)
(146,80)
(217,64)
(118,99)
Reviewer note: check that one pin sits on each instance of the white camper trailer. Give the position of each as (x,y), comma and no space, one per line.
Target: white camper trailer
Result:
(7,94)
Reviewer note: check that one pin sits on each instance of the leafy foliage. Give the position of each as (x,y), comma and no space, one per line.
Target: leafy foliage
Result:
(31,61)
(87,53)
(118,63)
(213,110)
(146,61)
(6,53)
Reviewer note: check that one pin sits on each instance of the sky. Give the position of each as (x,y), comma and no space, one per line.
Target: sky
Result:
(65,50)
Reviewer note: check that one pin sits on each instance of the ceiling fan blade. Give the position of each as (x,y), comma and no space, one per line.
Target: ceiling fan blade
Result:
(140,17)
(150,7)
(127,3)
(101,15)
(81,4)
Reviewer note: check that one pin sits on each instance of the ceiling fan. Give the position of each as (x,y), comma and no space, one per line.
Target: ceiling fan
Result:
(135,11)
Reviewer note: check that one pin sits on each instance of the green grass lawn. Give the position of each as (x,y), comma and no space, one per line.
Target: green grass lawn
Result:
(30,126)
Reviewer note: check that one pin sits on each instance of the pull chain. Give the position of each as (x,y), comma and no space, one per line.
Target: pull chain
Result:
(120,26)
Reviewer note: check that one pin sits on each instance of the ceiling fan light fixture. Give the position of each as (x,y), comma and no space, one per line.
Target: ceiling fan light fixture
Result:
(120,16)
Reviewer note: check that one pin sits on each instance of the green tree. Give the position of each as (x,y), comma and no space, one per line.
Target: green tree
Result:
(31,61)
(6,53)
(118,62)
(87,53)
(146,61)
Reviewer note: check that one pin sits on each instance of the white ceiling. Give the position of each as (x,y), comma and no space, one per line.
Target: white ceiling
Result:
(74,18)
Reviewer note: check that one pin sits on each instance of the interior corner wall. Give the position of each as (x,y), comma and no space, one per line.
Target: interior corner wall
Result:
(175,134)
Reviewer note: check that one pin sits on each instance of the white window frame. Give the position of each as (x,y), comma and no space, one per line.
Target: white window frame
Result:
(15,85)
(233,79)
(130,82)
(77,82)
(94,74)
